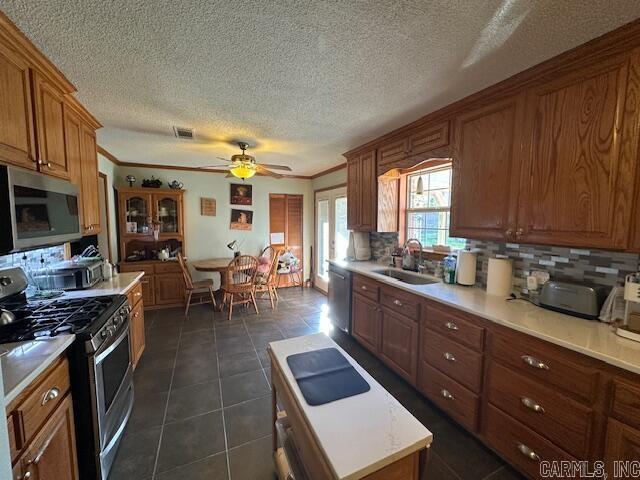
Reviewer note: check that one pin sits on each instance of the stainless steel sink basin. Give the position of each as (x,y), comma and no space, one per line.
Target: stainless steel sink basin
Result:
(406,277)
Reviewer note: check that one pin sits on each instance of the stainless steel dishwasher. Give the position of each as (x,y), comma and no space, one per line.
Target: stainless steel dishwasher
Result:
(340,297)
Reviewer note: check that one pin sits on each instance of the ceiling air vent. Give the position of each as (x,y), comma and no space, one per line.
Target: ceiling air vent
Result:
(183,133)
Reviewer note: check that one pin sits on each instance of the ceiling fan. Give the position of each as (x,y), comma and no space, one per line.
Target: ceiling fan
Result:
(245,166)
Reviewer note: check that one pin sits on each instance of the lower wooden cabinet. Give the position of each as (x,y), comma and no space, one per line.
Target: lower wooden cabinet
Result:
(623,443)
(52,455)
(136,333)
(162,284)
(365,323)
(399,344)
(169,289)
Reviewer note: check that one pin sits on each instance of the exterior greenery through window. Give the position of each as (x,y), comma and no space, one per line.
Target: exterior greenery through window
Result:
(428,214)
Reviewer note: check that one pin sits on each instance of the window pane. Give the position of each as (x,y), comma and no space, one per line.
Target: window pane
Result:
(439,198)
(341,233)
(323,237)
(439,179)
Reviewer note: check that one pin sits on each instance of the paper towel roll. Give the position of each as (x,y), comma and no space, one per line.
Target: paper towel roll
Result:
(500,277)
(466,267)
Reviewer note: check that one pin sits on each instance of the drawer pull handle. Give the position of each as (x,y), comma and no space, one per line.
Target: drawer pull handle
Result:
(446,394)
(451,326)
(532,405)
(450,357)
(527,452)
(50,395)
(534,362)
(364,287)
(397,302)
(26,476)
(137,294)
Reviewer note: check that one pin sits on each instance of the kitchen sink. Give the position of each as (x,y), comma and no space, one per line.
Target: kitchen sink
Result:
(406,277)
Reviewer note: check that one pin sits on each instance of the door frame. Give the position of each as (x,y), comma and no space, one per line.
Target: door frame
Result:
(315,231)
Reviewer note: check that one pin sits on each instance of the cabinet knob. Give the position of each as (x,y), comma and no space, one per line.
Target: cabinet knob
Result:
(446,394)
(50,395)
(397,302)
(527,452)
(508,232)
(449,357)
(519,232)
(531,405)
(451,326)
(364,287)
(534,362)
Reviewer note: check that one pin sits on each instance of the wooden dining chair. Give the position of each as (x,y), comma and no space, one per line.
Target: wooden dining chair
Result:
(190,287)
(240,281)
(268,283)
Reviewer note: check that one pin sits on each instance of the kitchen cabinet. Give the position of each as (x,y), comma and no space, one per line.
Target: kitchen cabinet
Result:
(392,152)
(169,289)
(162,284)
(366,323)
(399,344)
(623,443)
(485,171)
(17,133)
(362,195)
(580,163)
(137,340)
(48,101)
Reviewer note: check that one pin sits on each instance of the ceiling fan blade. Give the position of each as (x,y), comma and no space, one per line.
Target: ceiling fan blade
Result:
(224,159)
(260,170)
(275,167)
(215,166)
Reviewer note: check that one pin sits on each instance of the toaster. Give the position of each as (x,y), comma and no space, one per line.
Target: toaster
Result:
(579,300)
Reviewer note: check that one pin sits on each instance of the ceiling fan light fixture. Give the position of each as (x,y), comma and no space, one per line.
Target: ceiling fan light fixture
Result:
(243,171)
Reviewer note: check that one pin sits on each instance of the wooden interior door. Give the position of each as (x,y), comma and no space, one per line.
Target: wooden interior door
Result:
(286,217)
(485,172)
(49,112)
(581,156)
(17,143)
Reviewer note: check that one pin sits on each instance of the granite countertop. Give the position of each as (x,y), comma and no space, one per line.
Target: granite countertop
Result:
(118,284)
(591,338)
(360,434)
(24,361)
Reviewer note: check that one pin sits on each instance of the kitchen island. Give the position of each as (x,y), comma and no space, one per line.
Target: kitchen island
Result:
(370,435)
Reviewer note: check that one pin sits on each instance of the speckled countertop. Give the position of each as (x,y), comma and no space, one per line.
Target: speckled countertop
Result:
(360,434)
(591,338)
(118,284)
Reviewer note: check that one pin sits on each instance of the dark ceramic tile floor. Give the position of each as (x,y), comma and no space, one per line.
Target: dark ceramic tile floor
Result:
(203,406)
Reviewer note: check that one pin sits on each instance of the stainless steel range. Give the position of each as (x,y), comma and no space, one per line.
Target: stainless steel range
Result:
(100,363)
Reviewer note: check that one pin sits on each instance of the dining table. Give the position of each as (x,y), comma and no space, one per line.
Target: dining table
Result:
(219,265)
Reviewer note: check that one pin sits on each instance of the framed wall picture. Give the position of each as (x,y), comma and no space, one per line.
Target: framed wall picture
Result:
(241,194)
(241,219)
(208,207)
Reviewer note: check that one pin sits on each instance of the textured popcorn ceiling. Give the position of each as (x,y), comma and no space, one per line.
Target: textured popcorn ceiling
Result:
(302,80)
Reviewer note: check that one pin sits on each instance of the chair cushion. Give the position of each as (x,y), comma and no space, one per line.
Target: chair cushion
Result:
(264,264)
(206,283)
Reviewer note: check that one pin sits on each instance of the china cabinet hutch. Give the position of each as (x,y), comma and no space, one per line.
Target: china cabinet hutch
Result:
(151,226)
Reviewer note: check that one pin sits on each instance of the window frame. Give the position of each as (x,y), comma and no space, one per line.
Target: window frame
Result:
(408,210)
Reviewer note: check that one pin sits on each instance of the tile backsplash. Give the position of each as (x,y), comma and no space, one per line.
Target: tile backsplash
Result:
(33,259)
(380,242)
(578,265)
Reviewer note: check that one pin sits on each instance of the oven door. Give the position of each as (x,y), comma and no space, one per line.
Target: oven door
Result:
(113,372)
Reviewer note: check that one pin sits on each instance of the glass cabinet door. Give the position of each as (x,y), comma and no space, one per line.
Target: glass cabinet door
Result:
(138,215)
(167,213)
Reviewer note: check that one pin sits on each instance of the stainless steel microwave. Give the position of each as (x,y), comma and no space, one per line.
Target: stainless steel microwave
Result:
(36,210)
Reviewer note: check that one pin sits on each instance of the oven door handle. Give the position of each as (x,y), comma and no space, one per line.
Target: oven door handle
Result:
(100,356)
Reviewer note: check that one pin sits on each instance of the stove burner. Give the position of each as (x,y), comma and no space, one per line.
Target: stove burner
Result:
(51,318)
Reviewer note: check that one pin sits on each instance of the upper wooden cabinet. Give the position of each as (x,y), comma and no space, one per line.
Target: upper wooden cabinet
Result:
(579,171)
(49,115)
(428,138)
(485,171)
(392,152)
(362,192)
(17,144)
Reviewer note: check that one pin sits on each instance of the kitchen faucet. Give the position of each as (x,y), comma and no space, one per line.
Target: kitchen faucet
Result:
(408,260)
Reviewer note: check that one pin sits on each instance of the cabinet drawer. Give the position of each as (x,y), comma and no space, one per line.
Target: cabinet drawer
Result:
(457,401)
(14,443)
(167,267)
(626,403)
(519,445)
(453,326)
(134,295)
(401,302)
(43,400)
(547,363)
(147,268)
(458,362)
(366,287)
(562,420)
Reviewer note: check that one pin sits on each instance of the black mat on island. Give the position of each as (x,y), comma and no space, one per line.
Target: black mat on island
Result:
(325,376)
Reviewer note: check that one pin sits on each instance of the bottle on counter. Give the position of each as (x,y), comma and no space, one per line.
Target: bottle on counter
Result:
(449,269)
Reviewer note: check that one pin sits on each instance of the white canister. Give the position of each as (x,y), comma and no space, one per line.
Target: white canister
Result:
(466,267)
(500,277)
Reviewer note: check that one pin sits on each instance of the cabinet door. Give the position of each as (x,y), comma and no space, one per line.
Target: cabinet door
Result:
(353,193)
(17,145)
(73,148)
(623,443)
(136,212)
(485,172)
(169,288)
(366,323)
(167,210)
(399,346)
(577,183)
(49,113)
(136,332)
(148,290)
(368,192)
(89,169)
(392,152)
(52,455)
